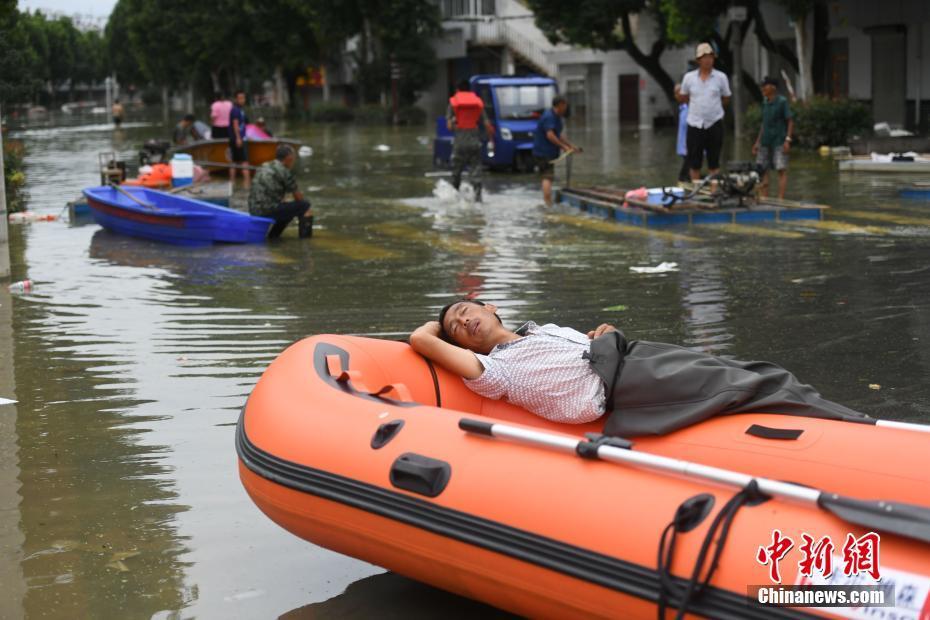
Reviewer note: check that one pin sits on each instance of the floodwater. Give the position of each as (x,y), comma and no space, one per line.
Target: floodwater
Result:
(119,494)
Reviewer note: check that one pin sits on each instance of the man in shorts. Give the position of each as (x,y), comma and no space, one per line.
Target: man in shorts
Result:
(548,143)
(774,139)
(706,91)
(238,152)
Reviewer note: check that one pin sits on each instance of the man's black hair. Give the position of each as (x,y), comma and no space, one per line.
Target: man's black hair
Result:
(463,85)
(189,118)
(442,315)
(770,80)
(283,151)
(240,91)
(558,99)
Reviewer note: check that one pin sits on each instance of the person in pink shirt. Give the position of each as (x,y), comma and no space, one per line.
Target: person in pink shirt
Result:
(219,117)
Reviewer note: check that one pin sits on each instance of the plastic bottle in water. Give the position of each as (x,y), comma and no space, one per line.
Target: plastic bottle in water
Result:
(21,287)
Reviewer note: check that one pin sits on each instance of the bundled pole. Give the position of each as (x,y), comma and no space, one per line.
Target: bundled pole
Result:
(4,232)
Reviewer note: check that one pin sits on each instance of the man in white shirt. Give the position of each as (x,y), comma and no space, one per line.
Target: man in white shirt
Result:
(645,388)
(706,91)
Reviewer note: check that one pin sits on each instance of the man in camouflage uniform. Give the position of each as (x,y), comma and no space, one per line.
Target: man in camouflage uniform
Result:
(466,144)
(273,180)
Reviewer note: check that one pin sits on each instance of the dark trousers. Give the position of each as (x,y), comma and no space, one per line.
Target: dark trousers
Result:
(683,173)
(654,388)
(708,140)
(283,214)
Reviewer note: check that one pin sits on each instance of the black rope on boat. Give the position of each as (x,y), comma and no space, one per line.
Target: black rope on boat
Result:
(432,371)
(679,596)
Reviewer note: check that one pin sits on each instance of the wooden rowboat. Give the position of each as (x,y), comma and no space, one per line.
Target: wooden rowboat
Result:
(214,155)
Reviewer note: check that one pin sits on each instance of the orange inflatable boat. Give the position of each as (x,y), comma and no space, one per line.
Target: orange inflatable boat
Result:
(364,447)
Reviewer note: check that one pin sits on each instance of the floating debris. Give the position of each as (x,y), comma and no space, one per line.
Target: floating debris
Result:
(383,148)
(660,268)
(617,308)
(23,217)
(875,386)
(305,151)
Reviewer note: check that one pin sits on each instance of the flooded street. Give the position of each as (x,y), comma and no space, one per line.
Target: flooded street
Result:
(130,360)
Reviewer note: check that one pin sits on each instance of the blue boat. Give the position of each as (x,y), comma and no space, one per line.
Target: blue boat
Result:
(916,191)
(160,216)
(657,208)
(215,193)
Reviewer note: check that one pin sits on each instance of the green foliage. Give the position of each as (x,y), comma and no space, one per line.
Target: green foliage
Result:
(13,175)
(331,113)
(411,115)
(592,23)
(752,119)
(691,20)
(36,52)
(373,114)
(797,9)
(819,121)
(822,120)
(229,44)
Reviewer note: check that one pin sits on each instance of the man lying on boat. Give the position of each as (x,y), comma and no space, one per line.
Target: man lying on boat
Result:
(646,388)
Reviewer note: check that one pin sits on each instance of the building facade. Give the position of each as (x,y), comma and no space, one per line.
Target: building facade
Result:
(875,52)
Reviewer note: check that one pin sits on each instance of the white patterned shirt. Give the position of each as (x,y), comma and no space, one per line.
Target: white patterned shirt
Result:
(545,373)
(704,105)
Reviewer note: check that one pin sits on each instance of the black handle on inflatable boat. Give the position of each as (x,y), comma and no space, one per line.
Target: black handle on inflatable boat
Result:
(906,520)
(420,474)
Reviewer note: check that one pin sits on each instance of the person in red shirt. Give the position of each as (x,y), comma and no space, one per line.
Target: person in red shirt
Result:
(464,116)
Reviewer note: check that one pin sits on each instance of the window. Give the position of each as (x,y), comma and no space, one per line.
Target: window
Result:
(524,102)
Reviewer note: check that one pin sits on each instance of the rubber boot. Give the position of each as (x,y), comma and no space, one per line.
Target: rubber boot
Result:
(305,227)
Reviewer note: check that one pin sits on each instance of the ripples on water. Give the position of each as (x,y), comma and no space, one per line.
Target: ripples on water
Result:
(131,359)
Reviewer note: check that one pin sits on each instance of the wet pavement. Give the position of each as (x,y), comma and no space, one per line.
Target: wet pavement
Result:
(119,494)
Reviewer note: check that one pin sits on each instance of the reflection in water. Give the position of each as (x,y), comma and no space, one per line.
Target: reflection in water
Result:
(704,297)
(132,359)
(12,582)
(390,596)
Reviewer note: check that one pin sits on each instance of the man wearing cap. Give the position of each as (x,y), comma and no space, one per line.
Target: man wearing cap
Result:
(706,91)
(774,139)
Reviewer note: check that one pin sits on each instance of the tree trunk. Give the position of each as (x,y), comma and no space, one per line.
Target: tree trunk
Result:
(4,234)
(215,79)
(805,85)
(821,78)
(164,103)
(650,62)
(190,98)
(765,39)
(280,89)
(738,83)
(326,90)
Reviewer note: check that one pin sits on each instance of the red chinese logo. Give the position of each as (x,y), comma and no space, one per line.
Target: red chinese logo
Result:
(817,555)
(770,556)
(860,555)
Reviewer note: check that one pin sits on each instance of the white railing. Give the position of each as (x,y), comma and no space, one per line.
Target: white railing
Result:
(498,32)
(467,9)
